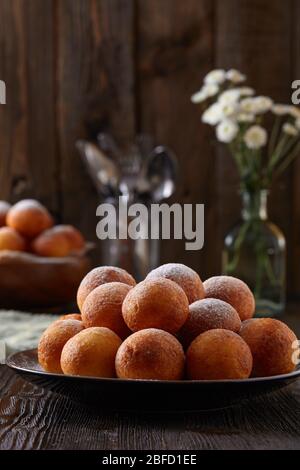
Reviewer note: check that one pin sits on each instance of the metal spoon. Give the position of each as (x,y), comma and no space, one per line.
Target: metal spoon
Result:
(103,171)
(159,174)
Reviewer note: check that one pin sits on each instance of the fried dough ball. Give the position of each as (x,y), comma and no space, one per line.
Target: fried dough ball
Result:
(71,316)
(58,241)
(29,218)
(4,208)
(218,355)
(150,354)
(10,239)
(51,244)
(156,303)
(208,314)
(75,237)
(91,352)
(271,344)
(99,276)
(233,291)
(184,276)
(103,307)
(53,340)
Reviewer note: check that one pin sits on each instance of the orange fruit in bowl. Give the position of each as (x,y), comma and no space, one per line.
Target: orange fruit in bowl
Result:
(58,241)
(29,218)
(11,240)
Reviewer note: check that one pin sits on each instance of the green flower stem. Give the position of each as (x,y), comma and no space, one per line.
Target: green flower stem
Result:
(231,266)
(288,160)
(289,149)
(253,224)
(274,135)
(278,152)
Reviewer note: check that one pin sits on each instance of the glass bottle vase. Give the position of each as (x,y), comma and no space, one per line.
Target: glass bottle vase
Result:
(255,251)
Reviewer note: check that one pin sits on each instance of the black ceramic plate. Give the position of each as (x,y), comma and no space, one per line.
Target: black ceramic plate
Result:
(147,395)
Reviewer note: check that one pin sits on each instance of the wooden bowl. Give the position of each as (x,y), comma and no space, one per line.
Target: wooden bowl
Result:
(28,281)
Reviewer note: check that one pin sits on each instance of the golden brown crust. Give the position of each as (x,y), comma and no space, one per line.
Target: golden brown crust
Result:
(51,245)
(270,341)
(74,236)
(150,354)
(103,307)
(11,240)
(91,352)
(29,218)
(218,355)
(156,303)
(58,241)
(71,316)
(208,314)
(53,340)
(233,291)
(184,276)
(99,276)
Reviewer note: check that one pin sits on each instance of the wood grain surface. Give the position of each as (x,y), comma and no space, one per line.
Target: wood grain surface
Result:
(171,58)
(31,418)
(75,67)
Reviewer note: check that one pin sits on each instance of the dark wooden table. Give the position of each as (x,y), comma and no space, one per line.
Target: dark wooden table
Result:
(31,418)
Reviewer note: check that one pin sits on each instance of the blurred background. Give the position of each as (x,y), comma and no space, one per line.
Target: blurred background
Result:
(75,67)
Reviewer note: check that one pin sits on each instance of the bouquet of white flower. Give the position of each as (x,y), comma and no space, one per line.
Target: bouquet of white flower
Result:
(263,138)
(241,120)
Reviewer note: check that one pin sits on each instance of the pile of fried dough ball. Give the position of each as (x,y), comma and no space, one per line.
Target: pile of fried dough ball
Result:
(170,326)
(29,227)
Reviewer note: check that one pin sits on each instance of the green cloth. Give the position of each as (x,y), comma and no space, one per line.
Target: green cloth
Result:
(19,330)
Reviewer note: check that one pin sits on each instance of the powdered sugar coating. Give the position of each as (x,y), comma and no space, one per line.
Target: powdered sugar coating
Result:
(156,303)
(28,204)
(233,291)
(184,276)
(99,276)
(208,314)
(103,307)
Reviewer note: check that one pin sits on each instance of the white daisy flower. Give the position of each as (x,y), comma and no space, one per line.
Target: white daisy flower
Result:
(211,89)
(229,110)
(256,137)
(215,77)
(257,105)
(263,104)
(227,131)
(290,129)
(245,117)
(213,115)
(281,109)
(235,76)
(198,97)
(248,106)
(294,111)
(207,91)
(246,91)
(229,96)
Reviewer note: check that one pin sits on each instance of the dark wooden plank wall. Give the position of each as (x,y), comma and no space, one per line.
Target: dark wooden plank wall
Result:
(75,66)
